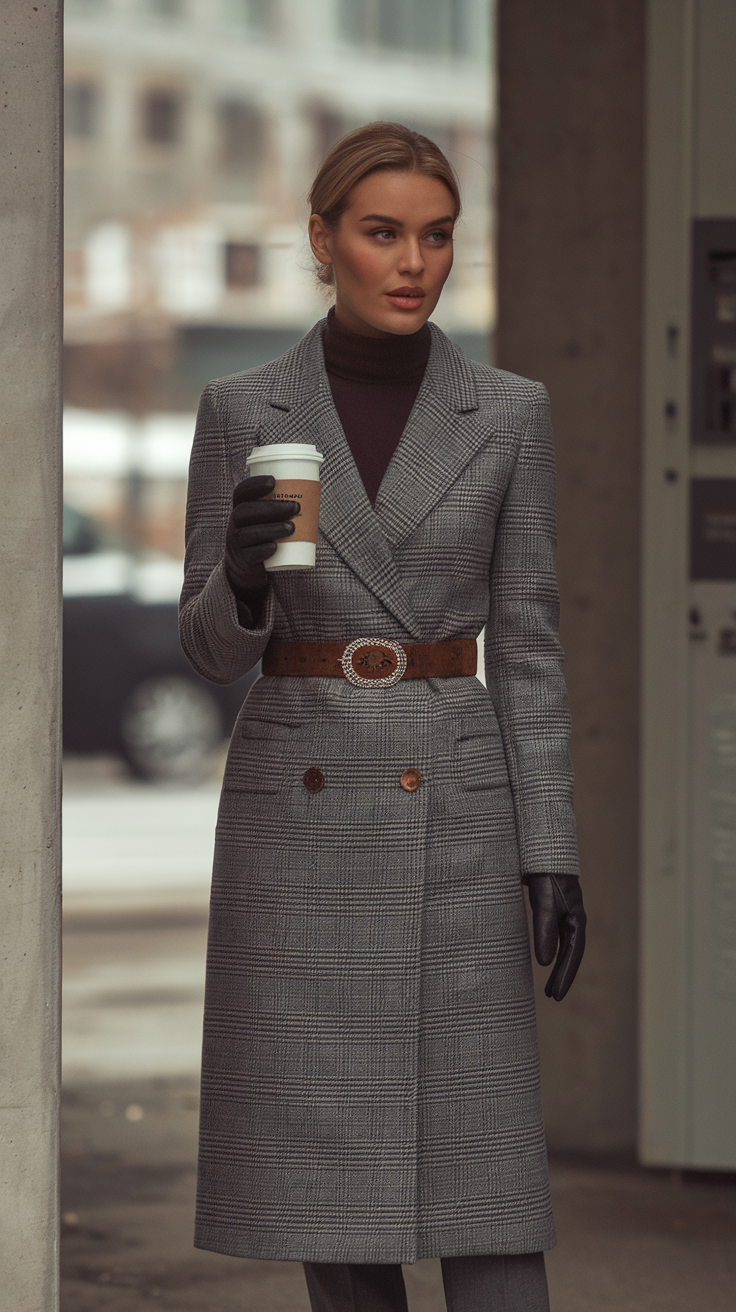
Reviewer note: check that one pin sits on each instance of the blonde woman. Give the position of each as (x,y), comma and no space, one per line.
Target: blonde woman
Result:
(370,1083)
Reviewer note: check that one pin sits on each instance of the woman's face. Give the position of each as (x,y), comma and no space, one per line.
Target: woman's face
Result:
(391,252)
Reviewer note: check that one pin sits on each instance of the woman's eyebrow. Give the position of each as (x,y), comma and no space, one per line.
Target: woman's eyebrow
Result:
(397,223)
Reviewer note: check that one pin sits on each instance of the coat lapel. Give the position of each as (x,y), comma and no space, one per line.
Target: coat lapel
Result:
(442,436)
(302,410)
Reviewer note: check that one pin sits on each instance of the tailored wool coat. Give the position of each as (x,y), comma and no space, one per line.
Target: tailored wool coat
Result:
(370,1081)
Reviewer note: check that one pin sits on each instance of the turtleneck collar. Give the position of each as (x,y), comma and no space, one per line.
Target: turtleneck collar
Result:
(394,359)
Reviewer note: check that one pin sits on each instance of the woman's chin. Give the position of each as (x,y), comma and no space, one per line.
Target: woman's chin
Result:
(396,319)
(383,318)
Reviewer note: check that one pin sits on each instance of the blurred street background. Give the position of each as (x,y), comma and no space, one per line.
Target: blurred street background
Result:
(193,130)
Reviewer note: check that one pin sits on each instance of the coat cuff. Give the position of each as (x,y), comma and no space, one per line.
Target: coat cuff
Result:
(212,636)
(220,600)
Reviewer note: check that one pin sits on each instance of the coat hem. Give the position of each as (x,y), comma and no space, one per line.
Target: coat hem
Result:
(342,1252)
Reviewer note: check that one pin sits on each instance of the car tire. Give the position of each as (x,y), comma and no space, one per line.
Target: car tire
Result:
(170,729)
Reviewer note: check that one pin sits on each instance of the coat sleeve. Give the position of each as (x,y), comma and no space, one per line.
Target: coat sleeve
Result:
(523,657)
(215,643)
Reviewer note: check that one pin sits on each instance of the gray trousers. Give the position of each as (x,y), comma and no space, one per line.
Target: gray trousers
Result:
(513,1283)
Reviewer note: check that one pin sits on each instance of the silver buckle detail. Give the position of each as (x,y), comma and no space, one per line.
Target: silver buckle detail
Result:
(360,680)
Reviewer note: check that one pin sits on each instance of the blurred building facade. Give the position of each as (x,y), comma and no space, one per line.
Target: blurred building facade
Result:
(193,131)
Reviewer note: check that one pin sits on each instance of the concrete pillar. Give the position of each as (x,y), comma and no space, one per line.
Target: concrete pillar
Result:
(30,446)
(570,236)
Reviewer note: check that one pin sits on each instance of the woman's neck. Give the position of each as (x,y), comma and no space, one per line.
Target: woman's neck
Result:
(396,358)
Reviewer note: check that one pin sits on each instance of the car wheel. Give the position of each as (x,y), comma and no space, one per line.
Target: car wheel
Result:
(170,728)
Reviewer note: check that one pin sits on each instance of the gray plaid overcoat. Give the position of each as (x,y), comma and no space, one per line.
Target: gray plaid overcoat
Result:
(370,1083)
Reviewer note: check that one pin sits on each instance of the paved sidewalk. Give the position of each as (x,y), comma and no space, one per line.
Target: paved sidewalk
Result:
(136,880)
(629,1240)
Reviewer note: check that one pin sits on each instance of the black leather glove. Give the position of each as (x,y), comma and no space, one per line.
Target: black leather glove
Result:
(558,915)
(252,535)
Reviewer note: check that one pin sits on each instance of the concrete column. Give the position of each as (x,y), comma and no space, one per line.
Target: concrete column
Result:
(30,446)
(570,234)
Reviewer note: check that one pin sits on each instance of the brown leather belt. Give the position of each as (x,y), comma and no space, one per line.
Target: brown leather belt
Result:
(371,662)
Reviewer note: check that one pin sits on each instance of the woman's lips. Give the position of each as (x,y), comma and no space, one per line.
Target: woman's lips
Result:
(406,298)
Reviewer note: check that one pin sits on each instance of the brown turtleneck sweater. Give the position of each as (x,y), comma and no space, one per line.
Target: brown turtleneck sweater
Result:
(374,383)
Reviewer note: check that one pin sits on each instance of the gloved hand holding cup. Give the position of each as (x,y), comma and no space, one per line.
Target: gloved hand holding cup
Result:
(294,467)
(275,517)
(254,528)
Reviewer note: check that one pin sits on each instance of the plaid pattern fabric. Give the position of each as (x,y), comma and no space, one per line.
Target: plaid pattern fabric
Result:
(370,1083)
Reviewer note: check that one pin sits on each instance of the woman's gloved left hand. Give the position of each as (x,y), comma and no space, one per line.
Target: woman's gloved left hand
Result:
(559,917)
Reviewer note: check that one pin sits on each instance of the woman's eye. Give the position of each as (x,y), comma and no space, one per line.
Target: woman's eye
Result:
(436,238)
(383,232)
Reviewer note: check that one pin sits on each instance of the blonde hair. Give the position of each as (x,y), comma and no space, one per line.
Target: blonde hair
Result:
(374,147)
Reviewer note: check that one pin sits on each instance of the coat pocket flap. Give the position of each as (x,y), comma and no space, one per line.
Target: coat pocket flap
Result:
(281,730)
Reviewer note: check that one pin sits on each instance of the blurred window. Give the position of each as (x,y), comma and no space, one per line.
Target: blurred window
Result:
(438,27)
(241,136)
(163,8)
(248,15)
(162,116)
(108,272)
(329,126)
(81,102)
(241,265)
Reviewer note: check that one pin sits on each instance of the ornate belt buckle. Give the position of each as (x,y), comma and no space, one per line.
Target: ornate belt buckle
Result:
(373,663)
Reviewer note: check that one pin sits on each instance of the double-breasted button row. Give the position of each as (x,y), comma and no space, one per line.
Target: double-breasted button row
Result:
(314,780)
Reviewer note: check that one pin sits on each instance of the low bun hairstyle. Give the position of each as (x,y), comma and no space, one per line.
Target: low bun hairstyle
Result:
(366,150)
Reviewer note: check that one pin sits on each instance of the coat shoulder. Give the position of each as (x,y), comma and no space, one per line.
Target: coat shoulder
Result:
(285,374)
(490,381)
(509,394)
(474,384)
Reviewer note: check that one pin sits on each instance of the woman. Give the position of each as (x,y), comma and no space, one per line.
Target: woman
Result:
(370,1086)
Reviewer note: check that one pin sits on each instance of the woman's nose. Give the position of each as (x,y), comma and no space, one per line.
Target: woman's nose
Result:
(411,260)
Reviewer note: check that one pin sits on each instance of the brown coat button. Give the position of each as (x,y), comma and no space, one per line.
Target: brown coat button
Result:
(314,781)
(410,780)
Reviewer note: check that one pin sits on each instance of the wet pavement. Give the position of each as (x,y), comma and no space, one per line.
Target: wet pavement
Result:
(629,1239)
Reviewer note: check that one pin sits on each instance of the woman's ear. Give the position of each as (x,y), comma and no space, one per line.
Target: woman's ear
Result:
(319,239)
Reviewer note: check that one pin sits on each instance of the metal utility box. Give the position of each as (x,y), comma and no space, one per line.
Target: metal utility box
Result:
(688,939)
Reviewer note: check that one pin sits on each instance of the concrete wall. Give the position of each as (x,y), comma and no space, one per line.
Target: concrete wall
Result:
(30,73)
(570,157)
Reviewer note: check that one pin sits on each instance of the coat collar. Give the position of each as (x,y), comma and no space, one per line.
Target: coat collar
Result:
(440,439)
(302,371)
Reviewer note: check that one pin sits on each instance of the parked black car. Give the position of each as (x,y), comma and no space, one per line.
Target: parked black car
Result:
(128,688)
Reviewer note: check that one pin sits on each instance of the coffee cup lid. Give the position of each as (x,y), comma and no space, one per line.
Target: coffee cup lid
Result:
(286,451)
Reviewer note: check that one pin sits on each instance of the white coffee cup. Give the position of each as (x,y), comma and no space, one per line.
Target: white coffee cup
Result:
(295,468)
